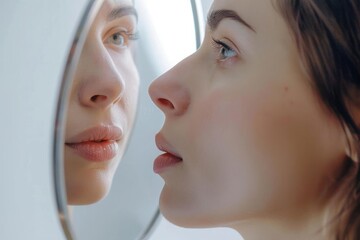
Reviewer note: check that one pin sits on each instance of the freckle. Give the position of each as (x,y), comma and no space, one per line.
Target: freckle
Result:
(286,88)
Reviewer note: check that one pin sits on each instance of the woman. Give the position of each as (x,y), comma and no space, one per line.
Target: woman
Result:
(261,122)
(102,104)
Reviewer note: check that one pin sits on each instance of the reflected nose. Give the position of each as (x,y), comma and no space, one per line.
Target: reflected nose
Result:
(170,94)
(101,83)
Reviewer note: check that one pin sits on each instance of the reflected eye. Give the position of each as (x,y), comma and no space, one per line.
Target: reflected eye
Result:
(121,39)
(224,51)
(117,39)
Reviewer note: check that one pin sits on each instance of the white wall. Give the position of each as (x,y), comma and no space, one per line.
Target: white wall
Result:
(34,42)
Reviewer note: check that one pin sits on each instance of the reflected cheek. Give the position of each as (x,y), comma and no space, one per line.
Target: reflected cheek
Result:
(130,101)
(129,72)
(130,75)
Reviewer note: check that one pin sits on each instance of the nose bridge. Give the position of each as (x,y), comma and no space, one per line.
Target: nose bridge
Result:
(101,82)
(171,91)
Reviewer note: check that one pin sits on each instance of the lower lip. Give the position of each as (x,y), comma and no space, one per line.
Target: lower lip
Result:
(96,151)
(164,161)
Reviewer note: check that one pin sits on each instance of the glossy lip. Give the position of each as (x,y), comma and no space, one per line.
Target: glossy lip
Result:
(169,158)
(97,144)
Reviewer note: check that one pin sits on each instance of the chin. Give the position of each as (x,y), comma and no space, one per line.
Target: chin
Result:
(182,214)
(187,220)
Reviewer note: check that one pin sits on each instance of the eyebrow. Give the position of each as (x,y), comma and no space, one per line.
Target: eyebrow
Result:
(121,12)
(215,17)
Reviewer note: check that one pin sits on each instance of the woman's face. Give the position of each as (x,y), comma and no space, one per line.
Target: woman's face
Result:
(102,104)
(245,134)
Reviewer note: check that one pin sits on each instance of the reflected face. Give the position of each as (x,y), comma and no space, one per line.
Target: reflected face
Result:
(102,104)
(245,135)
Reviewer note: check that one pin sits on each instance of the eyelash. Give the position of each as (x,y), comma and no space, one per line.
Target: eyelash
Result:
(222,48)
(126,36)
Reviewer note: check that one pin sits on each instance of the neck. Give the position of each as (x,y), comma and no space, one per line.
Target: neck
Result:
(312,226)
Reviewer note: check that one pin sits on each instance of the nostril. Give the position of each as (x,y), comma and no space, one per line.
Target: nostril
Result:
(166,103)
(97,98)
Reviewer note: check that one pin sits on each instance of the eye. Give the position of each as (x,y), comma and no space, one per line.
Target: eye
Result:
(224,51)
(122,39)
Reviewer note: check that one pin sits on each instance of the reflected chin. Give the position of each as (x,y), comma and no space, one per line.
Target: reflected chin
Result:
(87,182)
(88,190)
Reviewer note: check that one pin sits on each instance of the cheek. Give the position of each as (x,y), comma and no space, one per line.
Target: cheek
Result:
(260,152)
(227,150)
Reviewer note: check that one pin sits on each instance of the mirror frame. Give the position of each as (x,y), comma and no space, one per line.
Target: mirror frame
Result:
(196,8)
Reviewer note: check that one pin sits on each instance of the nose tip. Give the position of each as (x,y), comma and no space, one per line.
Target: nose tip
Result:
(98,94)
(171,97)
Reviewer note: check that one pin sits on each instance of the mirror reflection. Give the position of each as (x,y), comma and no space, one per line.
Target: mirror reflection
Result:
(102,103)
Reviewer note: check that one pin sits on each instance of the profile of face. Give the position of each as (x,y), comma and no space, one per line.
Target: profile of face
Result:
(246,137)
(102,103)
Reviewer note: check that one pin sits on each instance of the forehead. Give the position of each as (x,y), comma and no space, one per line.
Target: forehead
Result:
(245,5)
(109,5)
(121,2)
(263,15)
(117,7)
(252,10)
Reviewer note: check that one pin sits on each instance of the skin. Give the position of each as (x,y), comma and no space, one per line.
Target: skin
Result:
(106,70)
(260,152)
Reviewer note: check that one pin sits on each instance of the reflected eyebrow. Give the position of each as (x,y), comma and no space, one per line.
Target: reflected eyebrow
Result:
(122,11)
(215,17)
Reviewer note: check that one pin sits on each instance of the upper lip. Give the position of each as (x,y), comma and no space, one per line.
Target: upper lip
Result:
(98,134)
(163,145)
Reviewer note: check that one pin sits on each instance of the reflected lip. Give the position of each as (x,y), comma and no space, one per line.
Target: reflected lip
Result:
(98,134)
(97,144)
(167,159)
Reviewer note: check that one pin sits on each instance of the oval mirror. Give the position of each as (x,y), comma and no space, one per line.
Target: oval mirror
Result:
(105,185)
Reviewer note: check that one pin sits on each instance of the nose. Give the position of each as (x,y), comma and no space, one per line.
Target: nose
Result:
(101,84)
(169,93)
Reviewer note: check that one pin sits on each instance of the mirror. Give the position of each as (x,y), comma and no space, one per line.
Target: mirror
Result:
(105,185)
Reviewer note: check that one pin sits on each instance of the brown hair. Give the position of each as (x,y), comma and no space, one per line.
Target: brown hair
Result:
(327,34)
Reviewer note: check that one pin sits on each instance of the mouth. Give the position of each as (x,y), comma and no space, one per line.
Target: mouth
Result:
(97,144)
(168,159)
